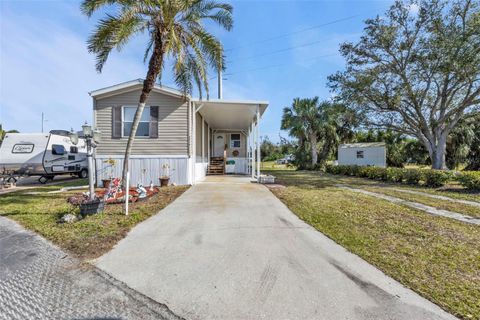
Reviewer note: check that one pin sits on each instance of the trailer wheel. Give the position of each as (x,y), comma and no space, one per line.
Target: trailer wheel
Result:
(83,174)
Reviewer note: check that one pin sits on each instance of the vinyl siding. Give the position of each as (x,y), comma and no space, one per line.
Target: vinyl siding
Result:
(172,125)
(144,170)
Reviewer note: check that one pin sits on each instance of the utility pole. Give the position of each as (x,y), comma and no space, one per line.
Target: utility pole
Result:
(220,83)
(43,120)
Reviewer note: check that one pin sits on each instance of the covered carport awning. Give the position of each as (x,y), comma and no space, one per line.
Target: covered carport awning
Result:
(231,115)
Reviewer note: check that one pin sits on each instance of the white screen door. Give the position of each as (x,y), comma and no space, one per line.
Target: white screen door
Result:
(219,144)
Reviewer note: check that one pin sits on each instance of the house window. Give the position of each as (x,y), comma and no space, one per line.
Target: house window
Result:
(58,149)
(235,140)
(360,154)
(143,125)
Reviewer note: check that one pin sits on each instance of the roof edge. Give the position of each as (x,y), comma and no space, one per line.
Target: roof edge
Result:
(133,84)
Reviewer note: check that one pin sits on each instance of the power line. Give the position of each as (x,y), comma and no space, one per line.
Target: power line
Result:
(308,44)
(294,32)
(275,65)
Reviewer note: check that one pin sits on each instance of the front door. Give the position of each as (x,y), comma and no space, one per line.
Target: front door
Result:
(219,141)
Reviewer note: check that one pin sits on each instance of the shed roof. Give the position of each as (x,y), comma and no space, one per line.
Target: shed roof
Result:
(362,145)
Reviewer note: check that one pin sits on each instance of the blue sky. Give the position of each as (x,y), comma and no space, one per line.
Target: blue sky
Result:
(276,52)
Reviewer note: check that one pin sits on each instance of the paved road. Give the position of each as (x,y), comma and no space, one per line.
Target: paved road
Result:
(229,249)
(39,281)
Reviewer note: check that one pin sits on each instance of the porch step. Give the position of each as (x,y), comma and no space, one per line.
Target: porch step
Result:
(216,166)
(215,170)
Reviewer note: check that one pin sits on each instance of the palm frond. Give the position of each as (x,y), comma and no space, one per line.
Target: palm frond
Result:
(112,32)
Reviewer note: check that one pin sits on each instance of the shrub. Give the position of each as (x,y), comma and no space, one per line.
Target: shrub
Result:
(431,178)
(377,173)
(470,180)
(413,176)
(395,174)
(436,178)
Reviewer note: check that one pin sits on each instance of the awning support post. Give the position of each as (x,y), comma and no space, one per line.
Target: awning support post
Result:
(253,150)
(194,142)
(258,141)
(249,153)
(208,143)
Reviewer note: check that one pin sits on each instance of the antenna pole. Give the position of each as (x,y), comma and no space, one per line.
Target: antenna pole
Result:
(42,122)
(220,84)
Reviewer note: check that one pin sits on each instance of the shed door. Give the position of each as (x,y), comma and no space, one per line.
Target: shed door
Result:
(219,142)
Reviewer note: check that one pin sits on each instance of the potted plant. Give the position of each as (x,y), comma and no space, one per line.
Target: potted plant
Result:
(165,178)
(111,165)
(87,206)
(230,166)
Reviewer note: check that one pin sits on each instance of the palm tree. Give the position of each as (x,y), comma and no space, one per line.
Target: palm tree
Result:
(302,120)
(175,30)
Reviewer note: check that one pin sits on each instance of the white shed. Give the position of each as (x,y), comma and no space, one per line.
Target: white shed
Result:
(363,154)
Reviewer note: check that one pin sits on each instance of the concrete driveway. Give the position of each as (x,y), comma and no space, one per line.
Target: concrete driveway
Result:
(229,249)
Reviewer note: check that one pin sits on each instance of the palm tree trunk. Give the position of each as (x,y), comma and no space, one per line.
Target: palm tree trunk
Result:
(154,68)
(313,146)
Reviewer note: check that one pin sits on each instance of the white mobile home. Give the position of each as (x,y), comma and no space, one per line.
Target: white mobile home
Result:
(363,154)
(194,137)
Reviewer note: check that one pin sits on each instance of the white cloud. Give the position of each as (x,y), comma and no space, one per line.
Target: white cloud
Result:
(46,67)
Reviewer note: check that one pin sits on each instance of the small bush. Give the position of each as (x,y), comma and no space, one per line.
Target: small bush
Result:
(436,178)
(413,176)
(377,173)
(470,180)
(395,174)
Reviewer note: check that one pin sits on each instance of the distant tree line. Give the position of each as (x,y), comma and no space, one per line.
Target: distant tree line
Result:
(4,132)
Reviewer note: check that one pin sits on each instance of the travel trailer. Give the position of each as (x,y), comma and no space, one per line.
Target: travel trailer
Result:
(42,154)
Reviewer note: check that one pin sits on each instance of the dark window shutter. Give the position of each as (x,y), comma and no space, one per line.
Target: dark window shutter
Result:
(116,122)
(153,129)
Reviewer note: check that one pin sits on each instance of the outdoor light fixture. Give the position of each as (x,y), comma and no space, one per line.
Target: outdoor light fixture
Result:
(87,130)
(73,137)
(91,137)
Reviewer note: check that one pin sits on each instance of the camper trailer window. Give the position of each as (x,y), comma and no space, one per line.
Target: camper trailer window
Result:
(143,126)
(360,154)
(22,148)
(58,149)
(73,149)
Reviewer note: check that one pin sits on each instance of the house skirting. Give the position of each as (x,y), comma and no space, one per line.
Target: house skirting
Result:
(144,169)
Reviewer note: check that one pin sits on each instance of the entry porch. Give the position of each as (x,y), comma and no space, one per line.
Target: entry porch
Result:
(226,137)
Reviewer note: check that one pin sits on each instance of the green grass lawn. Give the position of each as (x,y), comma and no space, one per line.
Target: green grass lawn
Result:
(470,210)
(437,257)
(272,165)
(90,237)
